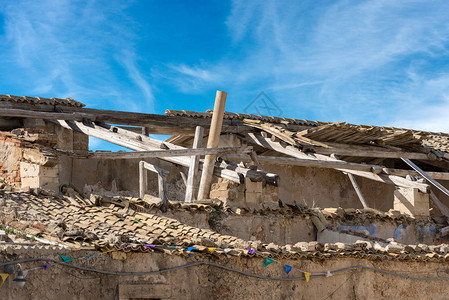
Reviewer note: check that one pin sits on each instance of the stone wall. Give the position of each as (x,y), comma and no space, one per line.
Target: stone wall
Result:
(207,282)
(26,158)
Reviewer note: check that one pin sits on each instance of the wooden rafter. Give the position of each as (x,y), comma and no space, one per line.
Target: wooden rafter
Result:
(293,151)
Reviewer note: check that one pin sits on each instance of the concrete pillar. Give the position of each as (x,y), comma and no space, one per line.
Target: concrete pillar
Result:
(412,202)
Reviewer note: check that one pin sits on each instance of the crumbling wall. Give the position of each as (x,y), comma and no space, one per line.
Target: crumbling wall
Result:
(27,158)
(10,157)
(207,282)
(318,187)
(123,175)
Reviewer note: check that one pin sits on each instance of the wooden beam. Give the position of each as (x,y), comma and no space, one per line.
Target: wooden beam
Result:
(293,151)
(137,142)
(155,169)
(443,208)
(357,190)
(434,175)
(212,142)
(426,176)
(293,161)
(145,131)
(143,180)
(255,159)
(168,153)
(130,140)
(161,174)
(156,124)
(369,153)
(193,168)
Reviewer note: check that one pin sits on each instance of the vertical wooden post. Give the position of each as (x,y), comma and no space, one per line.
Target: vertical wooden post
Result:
(191,187)
(162,191)
(145,131)
(142,179)
(212,142)
(357,190)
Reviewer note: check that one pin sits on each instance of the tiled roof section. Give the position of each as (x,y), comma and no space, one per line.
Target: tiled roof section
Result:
(361,134)
(118,228)
(437,141)
(237,116)
(341,133)
(73,223)
(40,100)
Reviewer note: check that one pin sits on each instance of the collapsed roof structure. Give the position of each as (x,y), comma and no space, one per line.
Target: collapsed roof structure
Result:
(349,190)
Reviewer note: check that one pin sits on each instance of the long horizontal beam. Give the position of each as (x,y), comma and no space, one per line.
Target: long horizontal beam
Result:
(292,161)
(369,153)
(301,162)
(168,153)
(156,124)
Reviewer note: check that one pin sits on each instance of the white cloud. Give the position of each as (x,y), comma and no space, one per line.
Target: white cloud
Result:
(129,63)
(342,61)
(61,48)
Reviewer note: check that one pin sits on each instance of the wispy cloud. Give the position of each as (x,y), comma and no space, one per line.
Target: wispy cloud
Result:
(62,48)
(341,61)
(129,62)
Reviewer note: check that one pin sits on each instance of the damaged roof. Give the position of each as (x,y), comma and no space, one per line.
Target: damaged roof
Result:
(41,100)
(120,225)
(327,134)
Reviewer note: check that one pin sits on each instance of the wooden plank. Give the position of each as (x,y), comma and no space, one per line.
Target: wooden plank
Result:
(145,131)
(212,142)
(130,140)
(293,161)
(255,159)
(369,153)
(434,175)
(168,153)
(193,168)
(162,192)
(156,124)
(142,180)
(292,151)
(155,169)
(357,190)
(443,208)
(161,174)
(426,176)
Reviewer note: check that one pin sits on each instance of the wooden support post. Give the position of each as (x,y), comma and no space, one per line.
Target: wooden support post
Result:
(162,192)
(357,190)
(161,174)
(443,208)
(255,159)
(145,131)
(142,179)
(193,168)
(212,142)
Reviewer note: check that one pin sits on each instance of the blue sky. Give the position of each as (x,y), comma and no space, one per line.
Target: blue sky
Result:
(366,62)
